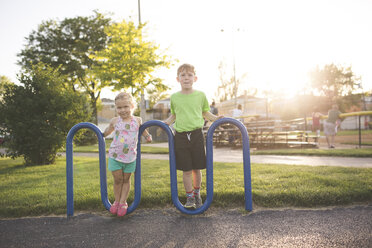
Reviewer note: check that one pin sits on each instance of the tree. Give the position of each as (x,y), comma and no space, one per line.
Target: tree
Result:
(37,115)
(155,96)
(4,82)
(68,45)
(129,61)
(333,81)
(228,88)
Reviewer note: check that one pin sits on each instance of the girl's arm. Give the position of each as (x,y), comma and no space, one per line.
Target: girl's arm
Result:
(110,128)
(145,133)
(211,117)
(170,119)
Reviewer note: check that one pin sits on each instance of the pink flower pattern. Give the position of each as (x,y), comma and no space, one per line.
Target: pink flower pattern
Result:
(124,145)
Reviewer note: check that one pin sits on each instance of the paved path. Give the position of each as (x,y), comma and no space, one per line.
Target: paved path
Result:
(337,227)
(232,155)
(236,155)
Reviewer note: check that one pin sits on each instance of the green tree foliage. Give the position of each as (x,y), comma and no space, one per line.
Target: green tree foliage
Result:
(37,115)
(68,45)
(333,81)
(4,82)
(128,62)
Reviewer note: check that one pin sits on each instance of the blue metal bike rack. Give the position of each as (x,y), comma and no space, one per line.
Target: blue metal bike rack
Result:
(172,162)
(69,166)
(246,161)
(172,166)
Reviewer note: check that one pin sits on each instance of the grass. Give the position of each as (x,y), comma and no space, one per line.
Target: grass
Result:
(352,132)
(356,143)
(41,190)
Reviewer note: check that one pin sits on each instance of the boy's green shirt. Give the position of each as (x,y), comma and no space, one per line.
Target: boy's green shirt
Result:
(188,109)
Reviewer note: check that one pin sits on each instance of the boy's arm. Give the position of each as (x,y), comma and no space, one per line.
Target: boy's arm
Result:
(145,133)
(170,119)
(110,128)
(211,117)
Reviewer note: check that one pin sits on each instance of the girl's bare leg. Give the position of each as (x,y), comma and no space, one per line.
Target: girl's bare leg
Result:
(125,188)
(118,183)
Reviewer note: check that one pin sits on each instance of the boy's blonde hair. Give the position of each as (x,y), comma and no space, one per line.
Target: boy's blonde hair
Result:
(186,67)
(126,97)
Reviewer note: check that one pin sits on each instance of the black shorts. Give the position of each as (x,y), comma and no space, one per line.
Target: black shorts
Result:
(190,151)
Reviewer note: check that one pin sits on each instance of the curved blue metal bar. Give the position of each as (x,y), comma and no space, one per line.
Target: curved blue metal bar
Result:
(137,179)
(172,167)
(69,165)
(246,161)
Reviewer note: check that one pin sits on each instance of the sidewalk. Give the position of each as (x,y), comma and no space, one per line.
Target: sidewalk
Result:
(225,154)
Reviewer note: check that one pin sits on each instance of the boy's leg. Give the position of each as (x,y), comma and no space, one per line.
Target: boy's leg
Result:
(187,180)
(197,178)
(187,183)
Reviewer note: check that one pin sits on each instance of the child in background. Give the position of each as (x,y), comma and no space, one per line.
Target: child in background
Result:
(189,107)
(123,149)
(316,121)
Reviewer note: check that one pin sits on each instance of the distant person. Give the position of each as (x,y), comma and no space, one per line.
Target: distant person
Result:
(214,109)
(123,149)
(237,112)
(189,107)
(316,121)
(330,125)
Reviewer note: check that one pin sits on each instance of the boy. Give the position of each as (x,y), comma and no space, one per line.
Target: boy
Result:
(189,107)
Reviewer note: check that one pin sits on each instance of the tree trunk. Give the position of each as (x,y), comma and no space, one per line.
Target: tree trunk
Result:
(143,107)
(93,102)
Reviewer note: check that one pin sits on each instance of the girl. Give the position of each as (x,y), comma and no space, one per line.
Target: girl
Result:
(123,149)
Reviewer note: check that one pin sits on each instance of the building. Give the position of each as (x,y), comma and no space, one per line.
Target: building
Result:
(106,113)
(250,105)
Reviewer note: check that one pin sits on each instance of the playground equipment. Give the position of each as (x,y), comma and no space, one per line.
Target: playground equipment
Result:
(172,163)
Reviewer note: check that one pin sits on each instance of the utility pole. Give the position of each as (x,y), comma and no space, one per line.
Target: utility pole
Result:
(142,101)
(234,68)
(139,12)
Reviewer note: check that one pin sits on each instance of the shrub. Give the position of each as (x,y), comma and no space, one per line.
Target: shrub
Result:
(37,115)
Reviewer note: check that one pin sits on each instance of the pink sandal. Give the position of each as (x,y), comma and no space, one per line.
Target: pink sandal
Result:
(114,208)
(122,210)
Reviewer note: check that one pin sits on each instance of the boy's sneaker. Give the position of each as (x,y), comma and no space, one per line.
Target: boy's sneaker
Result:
(190,202)
(114,208)
(198,201)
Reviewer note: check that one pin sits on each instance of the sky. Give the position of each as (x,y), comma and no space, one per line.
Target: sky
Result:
(273,44)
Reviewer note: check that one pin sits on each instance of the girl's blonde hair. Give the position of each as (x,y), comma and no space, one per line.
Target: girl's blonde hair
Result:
(126,97)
